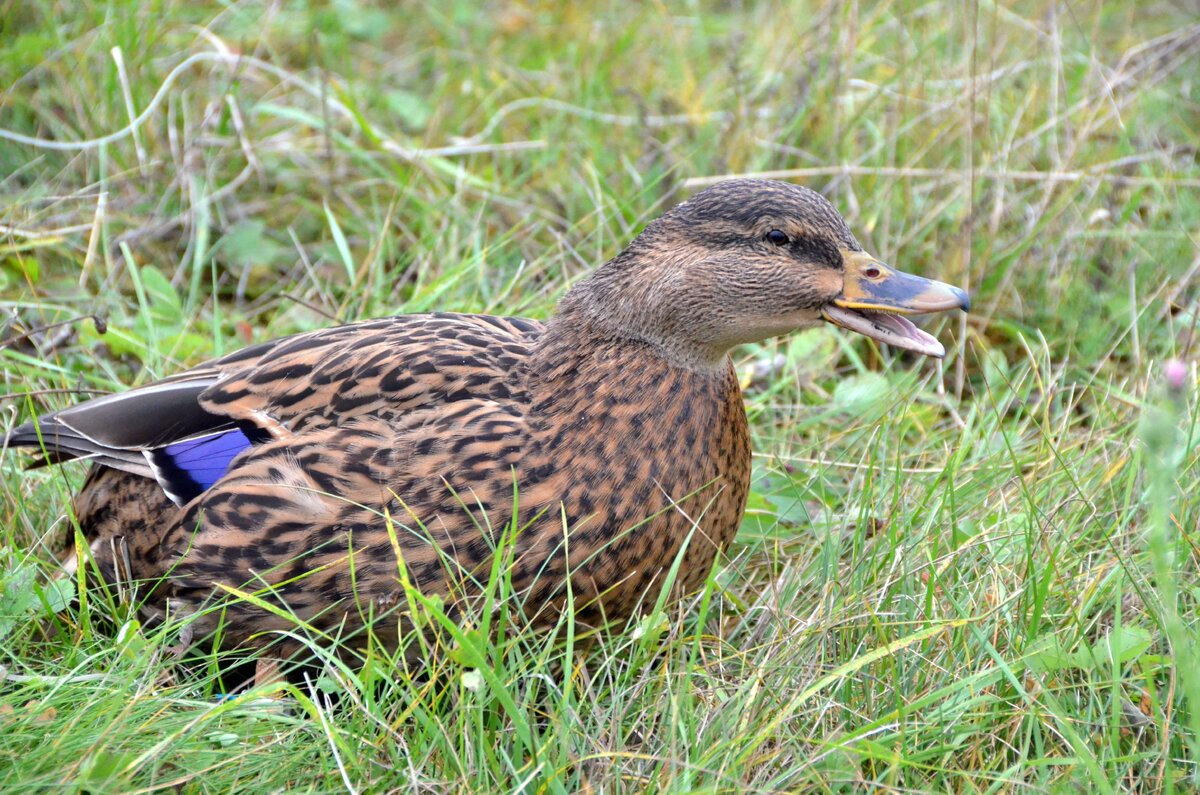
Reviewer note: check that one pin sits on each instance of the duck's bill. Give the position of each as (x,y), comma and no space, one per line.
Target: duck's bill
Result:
(875,297)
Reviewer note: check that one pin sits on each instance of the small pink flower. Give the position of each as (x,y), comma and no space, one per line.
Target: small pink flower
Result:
(1175,372)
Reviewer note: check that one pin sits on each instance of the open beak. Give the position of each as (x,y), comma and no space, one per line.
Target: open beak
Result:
(875,297)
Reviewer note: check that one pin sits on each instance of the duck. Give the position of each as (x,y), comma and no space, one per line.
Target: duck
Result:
(326,472)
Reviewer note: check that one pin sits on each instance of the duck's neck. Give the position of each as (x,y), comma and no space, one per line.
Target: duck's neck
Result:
(604,311)
(586,380)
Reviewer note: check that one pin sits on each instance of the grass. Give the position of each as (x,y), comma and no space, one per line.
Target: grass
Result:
(975,576)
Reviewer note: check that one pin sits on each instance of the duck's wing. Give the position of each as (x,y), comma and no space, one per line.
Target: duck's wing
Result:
(114,430)
(184,430)
(382,369)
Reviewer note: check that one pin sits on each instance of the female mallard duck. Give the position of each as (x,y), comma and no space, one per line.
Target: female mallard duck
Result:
(619,424)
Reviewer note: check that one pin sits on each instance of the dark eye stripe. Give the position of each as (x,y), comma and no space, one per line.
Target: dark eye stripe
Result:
(815,248)
(818,249)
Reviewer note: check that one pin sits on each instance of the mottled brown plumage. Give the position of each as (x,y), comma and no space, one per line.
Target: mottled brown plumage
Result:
(620,423)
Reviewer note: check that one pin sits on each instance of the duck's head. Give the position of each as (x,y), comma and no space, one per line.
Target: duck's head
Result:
(745,260)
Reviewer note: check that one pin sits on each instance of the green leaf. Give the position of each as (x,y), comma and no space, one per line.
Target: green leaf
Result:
(339,240)
(469,651)
(121,341)
(813,351)
(1122,644)
(187,345)
(862,393)
(759,516)
(327,684)
(412,109)
(27,267)
(160,294)
(222,739)
(104,768)
(130,640)
(248,245)
(1050,655)
(58,594)
(16,597)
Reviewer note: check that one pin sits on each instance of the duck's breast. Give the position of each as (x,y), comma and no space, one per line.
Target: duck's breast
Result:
(641,460)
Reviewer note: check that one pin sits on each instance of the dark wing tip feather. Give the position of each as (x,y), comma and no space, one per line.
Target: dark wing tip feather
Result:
(59,444)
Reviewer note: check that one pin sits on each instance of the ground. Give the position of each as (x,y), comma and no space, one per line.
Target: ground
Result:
(974,575)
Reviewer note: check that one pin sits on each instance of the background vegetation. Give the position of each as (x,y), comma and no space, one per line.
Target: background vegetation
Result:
(977,575)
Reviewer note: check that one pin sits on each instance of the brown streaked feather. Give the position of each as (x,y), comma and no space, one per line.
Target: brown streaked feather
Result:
(328,486)
(382,368)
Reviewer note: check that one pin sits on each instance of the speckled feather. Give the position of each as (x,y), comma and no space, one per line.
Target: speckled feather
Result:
(434,417)
(619,424)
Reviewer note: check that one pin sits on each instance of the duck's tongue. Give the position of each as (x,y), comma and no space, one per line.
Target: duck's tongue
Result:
(895,330)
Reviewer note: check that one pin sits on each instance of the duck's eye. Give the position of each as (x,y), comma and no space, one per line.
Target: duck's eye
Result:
(778,237)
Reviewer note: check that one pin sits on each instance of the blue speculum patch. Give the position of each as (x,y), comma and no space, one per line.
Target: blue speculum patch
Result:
(188,468)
